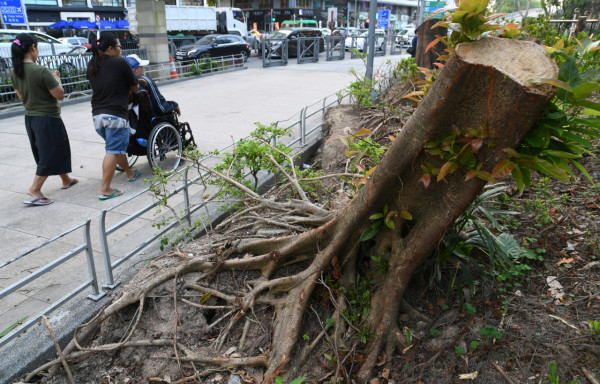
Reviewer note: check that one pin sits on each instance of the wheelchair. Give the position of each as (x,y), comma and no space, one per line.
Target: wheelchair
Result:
(165,137)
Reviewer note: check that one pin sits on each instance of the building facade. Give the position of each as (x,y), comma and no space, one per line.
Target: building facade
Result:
(261,14)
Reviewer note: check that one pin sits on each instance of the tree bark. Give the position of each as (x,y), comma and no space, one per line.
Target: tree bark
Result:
(426,35)
(486,82)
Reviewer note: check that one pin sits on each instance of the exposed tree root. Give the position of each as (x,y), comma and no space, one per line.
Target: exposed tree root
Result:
(473,90)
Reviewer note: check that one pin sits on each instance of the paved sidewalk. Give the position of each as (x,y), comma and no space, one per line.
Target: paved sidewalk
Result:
(220,109)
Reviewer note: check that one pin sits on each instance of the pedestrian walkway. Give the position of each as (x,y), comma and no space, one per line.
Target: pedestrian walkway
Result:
(221,109)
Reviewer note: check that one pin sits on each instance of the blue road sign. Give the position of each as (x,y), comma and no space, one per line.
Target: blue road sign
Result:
(383,17)
(383,14)
(12,12)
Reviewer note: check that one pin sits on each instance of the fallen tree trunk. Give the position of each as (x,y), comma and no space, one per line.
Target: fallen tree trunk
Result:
(486,87)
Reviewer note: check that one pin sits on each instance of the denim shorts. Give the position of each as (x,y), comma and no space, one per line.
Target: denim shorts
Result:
(115,132)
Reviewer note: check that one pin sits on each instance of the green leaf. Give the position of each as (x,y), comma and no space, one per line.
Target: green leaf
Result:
(502,168)
(518,178)
(584,90)
(594,123)
(583,170)
(362,132)
(561,85)
(371,232)
(405,215)
(329,322)
(279,380)
(561,154)
(376,216)
(299,380)
(328,357)
(13,326)
(569,72)
(445,170)
(551,170)
(588,104)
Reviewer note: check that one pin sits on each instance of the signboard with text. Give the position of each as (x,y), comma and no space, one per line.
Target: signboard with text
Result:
(383,18)
(12,12)
(431,6)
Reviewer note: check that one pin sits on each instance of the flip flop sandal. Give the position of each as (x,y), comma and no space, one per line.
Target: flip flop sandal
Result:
(116,193)
(75,181)
(135,176)
(39,201)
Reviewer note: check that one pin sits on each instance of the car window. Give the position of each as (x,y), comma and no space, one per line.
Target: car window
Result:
(7,37)
(206,40)
(281,34)
(46,38)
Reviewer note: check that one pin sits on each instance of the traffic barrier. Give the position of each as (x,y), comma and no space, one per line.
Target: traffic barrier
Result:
(173,69)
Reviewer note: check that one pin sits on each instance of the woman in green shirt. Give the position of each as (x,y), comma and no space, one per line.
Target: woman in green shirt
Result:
(40,91)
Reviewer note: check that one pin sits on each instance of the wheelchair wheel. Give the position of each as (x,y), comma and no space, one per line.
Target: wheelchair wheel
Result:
(131,159)
(164,147)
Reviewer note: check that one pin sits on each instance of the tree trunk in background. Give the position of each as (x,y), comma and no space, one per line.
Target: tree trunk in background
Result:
(425,36)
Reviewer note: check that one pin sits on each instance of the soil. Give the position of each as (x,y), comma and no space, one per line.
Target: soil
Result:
(540,317)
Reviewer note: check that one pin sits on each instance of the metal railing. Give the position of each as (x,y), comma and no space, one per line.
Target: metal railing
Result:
(176,42)
(272,57)
(42,271)
(335,48)
(75,83)
(308,49)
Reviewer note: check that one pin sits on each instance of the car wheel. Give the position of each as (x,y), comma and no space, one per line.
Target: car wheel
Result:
(244,55)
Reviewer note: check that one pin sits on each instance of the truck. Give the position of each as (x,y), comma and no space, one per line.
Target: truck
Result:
(200,20)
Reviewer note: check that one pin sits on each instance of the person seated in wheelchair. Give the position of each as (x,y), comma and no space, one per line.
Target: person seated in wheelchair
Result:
(159,105)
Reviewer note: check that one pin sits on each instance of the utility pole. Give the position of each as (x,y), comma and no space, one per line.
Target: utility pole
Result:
(372,22)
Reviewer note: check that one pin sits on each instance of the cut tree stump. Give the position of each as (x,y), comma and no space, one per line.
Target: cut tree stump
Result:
(485,83)
(426,35)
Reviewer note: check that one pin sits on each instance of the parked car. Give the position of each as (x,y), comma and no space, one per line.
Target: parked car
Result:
(326,31)
(274,40)
(74,40)
(405,36)
(68,63)
(358,38)
(214,46)
(345,32)
(47,45)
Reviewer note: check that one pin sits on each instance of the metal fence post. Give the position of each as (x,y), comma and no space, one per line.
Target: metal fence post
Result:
(186,197)
(274,138)
(96,294)
(303,127)
(110,281)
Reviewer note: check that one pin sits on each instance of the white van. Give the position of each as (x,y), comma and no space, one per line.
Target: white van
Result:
(405,36)
(47,45)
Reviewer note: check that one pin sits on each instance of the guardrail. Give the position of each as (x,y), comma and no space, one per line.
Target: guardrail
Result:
(306,124)
(75,83)
(91,282)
